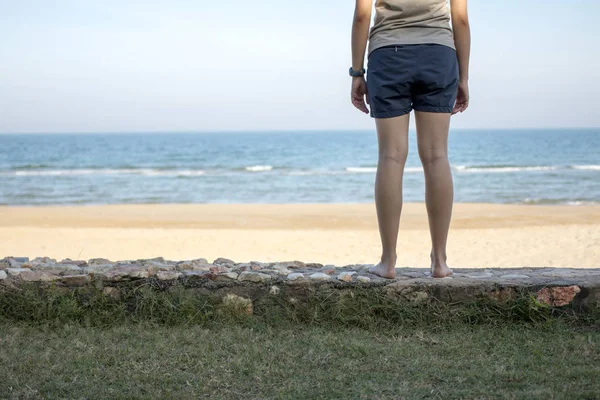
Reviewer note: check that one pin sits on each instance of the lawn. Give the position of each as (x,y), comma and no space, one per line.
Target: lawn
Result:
(255,360)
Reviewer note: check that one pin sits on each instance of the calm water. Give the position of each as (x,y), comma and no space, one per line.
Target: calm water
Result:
(498,166)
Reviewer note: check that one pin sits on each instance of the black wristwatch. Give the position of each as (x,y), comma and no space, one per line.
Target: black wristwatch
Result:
(357,73)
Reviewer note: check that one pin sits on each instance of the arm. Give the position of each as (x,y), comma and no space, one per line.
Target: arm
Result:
(360,32)
(360,35)
(462,42)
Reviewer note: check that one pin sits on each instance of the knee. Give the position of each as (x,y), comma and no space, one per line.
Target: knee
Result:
(396,156)
(431,156)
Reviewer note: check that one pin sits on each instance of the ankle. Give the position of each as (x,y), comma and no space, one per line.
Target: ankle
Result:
(438,258)
(389,259)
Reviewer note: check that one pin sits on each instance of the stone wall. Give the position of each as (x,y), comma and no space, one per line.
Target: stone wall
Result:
(246,282)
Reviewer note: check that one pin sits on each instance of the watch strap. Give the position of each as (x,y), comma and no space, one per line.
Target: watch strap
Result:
(355,73)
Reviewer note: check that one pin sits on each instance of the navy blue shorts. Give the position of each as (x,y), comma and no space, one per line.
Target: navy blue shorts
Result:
(423,77)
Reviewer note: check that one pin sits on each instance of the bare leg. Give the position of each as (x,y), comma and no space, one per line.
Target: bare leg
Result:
(432,138)
(392,136)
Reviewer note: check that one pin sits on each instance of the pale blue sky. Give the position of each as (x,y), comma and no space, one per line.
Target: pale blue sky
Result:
(189,65)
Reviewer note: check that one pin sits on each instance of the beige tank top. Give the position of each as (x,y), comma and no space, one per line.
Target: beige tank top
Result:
(411,22)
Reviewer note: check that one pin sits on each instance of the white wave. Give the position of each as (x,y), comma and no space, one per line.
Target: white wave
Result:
(587,167)
(348,169)
(132,171)
(374,169)
(463,168)
(257,168)
(186,172)
(53,172)
(413,169)
(361,169)
(190,173)
(538,201)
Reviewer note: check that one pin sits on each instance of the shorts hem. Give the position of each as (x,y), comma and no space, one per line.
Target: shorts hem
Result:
(391,114)
(434,109)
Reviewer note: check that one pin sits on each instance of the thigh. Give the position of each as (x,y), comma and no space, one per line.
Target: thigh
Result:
(432,134)
(392,137)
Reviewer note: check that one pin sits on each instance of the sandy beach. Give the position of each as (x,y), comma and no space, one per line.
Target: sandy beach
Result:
(482,235)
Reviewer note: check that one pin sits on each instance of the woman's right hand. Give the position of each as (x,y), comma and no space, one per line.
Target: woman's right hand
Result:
(462,97)
(359,94)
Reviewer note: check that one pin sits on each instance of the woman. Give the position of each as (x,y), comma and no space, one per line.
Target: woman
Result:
(416,61)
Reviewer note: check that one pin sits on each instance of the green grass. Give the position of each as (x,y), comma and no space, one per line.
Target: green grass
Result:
(150,343)
(254,360)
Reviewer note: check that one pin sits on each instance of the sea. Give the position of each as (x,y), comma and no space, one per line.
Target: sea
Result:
(536,166)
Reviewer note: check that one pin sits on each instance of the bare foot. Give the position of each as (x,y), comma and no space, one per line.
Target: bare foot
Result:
(383,271)
(440,271)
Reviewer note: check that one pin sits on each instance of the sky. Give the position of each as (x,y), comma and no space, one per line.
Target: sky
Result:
(199,65)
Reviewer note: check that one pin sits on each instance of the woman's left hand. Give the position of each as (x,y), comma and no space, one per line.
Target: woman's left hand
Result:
(359,93)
